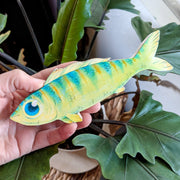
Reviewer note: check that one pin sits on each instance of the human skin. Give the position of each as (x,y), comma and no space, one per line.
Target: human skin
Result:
(17,140)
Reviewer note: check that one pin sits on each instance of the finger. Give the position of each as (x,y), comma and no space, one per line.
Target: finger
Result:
(51,125)
(86,120)
(46,72)
(53,136)
(93,109)
(18,80)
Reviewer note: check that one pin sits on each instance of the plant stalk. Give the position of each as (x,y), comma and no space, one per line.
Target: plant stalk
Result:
(16,63)
(96,33)
(99,130)
(32,32)
(109,99)
(5,66)
(106,121)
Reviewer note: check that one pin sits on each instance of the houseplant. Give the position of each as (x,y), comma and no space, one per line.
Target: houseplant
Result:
(112,146)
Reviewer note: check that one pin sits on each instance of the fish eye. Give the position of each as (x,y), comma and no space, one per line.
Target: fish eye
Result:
(32,108)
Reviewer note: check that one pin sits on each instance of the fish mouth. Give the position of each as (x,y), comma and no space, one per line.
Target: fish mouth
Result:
(18,119)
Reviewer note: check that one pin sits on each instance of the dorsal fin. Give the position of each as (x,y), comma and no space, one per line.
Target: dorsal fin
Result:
(61,71)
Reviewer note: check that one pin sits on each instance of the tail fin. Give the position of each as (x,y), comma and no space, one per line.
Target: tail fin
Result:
(146,53)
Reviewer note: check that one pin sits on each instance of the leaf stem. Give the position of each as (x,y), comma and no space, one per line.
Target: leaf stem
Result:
(28,23)
(109,99)
(99,130)
(96,33)
(109,122)
(167,52)
(16,63)
(5,66)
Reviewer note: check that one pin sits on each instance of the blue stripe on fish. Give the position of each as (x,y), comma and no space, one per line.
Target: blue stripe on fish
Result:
(50,91)
(106,67)
(119,64)
(129,61)
(74,78)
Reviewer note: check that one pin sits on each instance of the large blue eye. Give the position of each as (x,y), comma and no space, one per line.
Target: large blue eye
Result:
(31,108)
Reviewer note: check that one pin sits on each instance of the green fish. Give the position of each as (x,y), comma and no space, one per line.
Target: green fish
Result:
(77,87)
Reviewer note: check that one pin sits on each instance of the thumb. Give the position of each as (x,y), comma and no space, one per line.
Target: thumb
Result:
(18,80)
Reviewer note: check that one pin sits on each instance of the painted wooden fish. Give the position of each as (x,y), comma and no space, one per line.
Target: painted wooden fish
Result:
(79,86)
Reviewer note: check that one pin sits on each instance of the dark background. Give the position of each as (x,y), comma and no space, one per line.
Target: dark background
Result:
(41,18)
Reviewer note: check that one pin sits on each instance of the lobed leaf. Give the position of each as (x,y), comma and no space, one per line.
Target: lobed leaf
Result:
(30,167)
(68,30)
(169,45)
(128,168)
(153,133)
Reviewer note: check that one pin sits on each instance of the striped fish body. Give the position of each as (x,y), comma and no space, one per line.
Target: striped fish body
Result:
(84,87)
(81,85)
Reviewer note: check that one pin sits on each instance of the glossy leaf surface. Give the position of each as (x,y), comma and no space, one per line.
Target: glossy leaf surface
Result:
(128,168)
(68,30)
(30,167)
(153,133)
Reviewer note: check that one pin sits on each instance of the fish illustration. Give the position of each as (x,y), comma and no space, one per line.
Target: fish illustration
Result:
(77,87)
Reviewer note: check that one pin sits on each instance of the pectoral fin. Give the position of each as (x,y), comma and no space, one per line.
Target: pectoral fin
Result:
(70,118)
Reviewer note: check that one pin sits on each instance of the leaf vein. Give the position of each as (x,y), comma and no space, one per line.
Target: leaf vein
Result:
(153,130)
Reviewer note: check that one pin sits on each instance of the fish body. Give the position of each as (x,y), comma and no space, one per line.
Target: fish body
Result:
(81,85)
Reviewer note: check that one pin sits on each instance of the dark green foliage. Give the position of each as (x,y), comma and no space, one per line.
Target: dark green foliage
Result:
(30,167)
(152,133)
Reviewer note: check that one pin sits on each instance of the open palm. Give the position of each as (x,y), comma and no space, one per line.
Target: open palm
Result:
(16,139)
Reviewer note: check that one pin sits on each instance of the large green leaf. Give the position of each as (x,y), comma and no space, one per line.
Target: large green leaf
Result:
(30,167)
(124,5)
(169,45)
(128,168)
(3,20)
(68,30)
(153,133)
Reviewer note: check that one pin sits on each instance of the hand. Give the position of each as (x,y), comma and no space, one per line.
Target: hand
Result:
(16,139)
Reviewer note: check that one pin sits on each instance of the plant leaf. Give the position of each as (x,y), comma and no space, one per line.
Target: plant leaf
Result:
(98,10)
(152,132)
(101,7)
(169,45)
(128,168)
(124,5)
(3,20)
(30,167)
(4,36)
(68,30)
